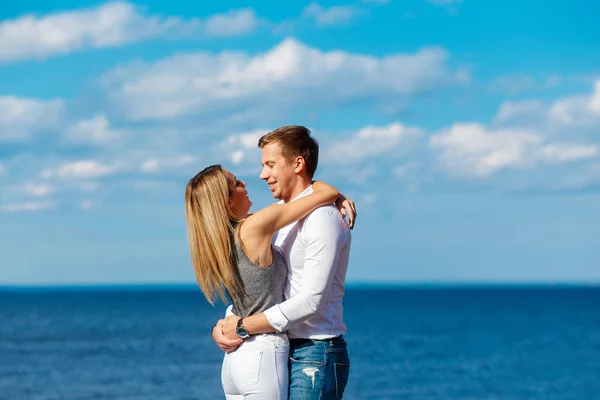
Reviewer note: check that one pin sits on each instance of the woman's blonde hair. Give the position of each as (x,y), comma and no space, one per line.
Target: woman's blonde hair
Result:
(210,234)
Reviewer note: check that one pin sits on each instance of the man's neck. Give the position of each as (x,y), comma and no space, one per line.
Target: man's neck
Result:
(298,189)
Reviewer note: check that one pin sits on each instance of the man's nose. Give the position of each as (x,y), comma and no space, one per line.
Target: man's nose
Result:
(263,174)
(243,183)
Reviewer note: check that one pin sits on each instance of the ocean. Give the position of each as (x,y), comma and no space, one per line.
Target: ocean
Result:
(512,343)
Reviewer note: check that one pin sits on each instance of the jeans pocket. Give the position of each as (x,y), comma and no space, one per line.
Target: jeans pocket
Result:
(245,369)
(342,372)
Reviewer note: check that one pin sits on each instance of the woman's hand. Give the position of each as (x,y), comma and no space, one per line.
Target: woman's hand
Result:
(229,327)
(227,344)
(347,209)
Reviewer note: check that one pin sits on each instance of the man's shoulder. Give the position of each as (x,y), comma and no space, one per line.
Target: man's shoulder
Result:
(328,214)
(326,211)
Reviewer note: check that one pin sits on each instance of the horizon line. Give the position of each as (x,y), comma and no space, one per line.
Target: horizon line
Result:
(182,286)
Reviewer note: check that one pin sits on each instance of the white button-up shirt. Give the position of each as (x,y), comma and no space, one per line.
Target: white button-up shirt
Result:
(317,250)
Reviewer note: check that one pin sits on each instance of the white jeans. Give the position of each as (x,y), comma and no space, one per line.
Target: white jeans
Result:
(258,369)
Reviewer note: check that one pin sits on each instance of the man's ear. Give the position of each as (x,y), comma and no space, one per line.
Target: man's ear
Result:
(299,164)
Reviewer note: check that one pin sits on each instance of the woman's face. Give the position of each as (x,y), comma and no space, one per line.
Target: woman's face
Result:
(238,199)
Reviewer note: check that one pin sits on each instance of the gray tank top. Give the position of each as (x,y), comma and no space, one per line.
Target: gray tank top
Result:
(262,286)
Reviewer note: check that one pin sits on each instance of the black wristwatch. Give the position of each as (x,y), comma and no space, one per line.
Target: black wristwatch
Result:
(241,330)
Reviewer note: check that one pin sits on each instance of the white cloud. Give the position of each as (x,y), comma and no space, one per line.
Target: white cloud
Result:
(243,146)
(80,169)
(512,84)
(521,82)
(471,149)
(569,114)
(372,141)
(248,140)
(108,25)
(411,173)
(594,101)
(19,117)
(95,130)
(577,110)
(553,81)
(525,136)
(354,175)
(235,83)
(334,15)
(155,164)
(28,206)
(566,152)
(150,165)
(38,189)
(407,170)
(233,23)
(237,156)
(519,110)
(86,205)
(111,24)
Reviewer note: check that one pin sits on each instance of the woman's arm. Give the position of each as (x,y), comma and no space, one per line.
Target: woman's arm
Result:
(274,217)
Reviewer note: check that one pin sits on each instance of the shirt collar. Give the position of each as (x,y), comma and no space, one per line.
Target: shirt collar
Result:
(304,193)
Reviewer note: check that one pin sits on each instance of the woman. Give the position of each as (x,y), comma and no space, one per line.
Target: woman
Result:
(232,254)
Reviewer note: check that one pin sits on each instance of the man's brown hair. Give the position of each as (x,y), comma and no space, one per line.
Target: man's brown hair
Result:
(295,141)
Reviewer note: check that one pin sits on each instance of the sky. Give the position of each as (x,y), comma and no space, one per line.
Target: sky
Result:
(467,132)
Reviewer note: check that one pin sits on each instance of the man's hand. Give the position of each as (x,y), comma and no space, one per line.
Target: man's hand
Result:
(347,209)
(226,344)
(229,327)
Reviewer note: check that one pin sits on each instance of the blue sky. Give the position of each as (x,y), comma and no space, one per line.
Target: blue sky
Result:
(467,132)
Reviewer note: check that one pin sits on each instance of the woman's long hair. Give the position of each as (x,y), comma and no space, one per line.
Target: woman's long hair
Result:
(210,234)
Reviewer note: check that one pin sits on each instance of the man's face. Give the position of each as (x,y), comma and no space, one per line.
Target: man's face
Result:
(277,171)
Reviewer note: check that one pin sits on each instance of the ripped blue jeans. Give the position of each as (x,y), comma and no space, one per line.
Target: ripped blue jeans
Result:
(319,369)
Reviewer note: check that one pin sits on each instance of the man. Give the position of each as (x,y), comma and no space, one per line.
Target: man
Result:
(317,250)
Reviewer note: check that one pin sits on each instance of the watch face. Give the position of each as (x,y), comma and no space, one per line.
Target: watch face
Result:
(241,332)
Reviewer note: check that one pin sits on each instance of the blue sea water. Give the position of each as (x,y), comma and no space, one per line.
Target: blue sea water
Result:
(405,343)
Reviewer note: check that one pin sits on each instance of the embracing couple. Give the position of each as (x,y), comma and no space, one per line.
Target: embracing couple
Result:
(283,267)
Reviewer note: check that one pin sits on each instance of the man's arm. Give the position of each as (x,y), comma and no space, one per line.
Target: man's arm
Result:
(325,233)
(254,324)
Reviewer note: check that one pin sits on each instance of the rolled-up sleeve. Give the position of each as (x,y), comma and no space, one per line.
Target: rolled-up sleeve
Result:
(276,318)
(229,311)
(323,234)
